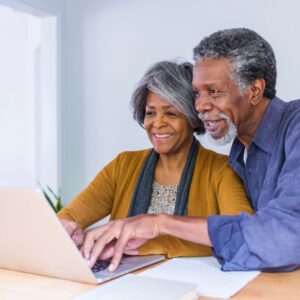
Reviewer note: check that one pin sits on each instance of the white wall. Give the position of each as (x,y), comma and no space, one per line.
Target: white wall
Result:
(37,7)
(28,92)
(111,43)
(16,113)
(46,105)
(103,49)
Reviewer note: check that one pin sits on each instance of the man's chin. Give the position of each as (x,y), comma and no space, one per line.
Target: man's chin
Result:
(216,142)
(223,136)
(216,136)
(220,140)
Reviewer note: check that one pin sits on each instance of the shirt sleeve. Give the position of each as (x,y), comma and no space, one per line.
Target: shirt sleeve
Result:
(269,240)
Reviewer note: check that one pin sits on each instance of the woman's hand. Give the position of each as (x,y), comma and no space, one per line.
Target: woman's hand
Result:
(118,237)
(74,231)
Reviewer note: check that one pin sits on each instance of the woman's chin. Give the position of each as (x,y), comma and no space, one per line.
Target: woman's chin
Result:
(162,150)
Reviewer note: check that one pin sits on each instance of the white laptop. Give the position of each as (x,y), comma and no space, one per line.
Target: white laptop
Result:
(33,240)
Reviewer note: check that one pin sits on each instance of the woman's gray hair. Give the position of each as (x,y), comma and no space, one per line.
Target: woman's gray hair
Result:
(172,81)
(251,56)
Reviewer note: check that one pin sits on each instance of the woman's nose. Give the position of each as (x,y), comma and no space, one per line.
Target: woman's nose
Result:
(159,121)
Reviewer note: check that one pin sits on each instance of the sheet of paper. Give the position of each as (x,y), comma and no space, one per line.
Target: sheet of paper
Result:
(135,287)
(205,272)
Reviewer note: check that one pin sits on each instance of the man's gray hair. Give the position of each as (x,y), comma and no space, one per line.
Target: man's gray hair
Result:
(172,81)
(251,56)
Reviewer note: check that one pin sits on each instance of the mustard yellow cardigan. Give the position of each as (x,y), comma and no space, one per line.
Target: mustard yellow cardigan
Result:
(215,189)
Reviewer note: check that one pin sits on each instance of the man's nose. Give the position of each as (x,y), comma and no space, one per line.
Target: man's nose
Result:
(203,104)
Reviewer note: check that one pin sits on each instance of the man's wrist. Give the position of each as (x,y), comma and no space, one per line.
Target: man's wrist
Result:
(161,220)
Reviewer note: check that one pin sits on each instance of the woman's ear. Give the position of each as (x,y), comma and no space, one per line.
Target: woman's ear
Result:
(257,91)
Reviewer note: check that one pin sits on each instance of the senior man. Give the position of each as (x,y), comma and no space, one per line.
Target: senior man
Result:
(234,83)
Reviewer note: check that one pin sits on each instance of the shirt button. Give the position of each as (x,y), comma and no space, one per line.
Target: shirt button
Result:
(250,171)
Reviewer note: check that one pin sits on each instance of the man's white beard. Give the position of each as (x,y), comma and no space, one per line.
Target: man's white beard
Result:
(228,137)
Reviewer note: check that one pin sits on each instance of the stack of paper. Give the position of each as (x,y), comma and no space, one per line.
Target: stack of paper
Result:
(205,272)
(135,287)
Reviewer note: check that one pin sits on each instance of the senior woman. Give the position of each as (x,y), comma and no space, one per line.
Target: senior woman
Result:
(176,177)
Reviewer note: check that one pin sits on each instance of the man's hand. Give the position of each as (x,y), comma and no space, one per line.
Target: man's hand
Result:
(130,249)
(118,237)
(74,231)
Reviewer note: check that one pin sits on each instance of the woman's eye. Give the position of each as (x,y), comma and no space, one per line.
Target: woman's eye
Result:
(171,114)
(149,113)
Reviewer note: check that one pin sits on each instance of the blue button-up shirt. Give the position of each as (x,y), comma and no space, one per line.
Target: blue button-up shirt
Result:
(270,239)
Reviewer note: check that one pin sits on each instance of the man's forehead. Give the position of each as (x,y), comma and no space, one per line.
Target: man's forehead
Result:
(212,63)
(211,70)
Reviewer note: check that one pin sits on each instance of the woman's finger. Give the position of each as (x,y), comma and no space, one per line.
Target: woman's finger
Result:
(78,237)
(70,226)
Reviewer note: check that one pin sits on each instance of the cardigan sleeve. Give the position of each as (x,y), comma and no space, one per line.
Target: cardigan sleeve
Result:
(95,202)
(230,193)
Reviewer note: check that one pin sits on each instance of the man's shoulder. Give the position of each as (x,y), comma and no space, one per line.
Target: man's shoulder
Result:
(288,128)
(293,107)
(288,106)
(287,113)
(291,115)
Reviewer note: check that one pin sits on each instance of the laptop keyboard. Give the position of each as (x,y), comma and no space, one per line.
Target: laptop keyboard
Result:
(100,265)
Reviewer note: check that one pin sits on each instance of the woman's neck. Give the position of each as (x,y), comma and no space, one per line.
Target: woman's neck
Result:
(169,168)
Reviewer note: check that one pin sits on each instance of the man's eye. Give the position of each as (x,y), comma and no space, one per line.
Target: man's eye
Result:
(196,94)
(214,92)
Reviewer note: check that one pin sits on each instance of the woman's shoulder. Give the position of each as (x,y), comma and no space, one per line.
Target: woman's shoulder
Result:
(135,155)
(212,156)
(215,164)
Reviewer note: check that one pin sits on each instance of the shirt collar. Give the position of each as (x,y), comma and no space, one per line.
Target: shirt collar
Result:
(236,149)
(266,132)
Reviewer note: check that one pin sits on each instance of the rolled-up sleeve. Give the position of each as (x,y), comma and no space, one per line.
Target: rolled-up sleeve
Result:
(226,236)
(259,242)
(269,240)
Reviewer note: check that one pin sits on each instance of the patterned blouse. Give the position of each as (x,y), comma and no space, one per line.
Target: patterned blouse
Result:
(163,198)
